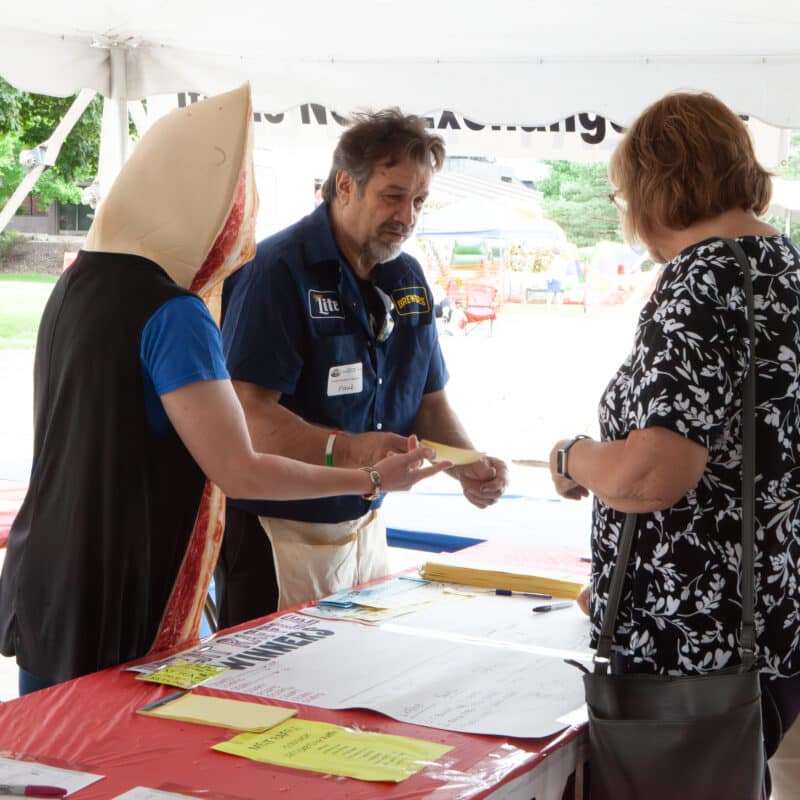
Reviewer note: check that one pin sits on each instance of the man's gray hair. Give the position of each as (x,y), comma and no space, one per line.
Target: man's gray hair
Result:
(379,136)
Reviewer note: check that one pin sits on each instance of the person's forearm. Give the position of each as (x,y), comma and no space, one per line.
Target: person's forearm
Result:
(276,430)
(633,475)
(258,475)
(437,421)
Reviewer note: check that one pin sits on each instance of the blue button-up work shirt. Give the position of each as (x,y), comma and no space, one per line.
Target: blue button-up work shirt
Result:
(294,321)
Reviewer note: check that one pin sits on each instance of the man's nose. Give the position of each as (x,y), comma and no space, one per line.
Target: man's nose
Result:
(406,214)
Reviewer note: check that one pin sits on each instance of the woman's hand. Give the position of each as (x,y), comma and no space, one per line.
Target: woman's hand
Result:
(583,599)
(400,471)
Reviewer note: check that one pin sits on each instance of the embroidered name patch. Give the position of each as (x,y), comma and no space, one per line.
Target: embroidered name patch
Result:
(324,305)
(411,300)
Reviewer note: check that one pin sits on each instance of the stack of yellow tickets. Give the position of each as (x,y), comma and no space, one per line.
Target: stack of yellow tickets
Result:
(451,569)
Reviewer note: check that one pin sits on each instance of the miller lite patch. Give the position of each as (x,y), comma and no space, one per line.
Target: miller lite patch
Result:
(411,300)
(324,305)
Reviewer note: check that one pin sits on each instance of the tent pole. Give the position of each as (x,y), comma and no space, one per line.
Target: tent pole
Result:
(45,155)
(114,132)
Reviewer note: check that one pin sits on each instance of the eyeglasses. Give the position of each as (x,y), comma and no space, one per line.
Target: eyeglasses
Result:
(618,201)
(387,326)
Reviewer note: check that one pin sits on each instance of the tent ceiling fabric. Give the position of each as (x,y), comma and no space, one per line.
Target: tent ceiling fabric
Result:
(512,62)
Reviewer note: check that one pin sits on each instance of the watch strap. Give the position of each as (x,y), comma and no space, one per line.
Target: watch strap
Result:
(375,477)
(561,466)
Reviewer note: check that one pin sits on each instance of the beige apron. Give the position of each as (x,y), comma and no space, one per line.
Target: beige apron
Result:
(314,559)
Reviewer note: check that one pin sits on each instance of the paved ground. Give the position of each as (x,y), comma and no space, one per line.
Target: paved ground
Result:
(537,378)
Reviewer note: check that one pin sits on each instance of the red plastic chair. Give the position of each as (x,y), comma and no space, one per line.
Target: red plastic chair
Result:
(480,306)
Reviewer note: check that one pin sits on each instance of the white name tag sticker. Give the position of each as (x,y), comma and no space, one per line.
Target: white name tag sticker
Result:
(345,379)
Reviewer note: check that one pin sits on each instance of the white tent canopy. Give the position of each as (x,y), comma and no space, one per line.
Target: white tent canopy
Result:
(510,62)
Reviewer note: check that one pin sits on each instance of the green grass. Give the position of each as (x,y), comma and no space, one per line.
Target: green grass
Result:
(22,299)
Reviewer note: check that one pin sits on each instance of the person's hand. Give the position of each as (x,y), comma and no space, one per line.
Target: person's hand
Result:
(565,487)
(366,449)
(583,599)
(483,481)
(400,471)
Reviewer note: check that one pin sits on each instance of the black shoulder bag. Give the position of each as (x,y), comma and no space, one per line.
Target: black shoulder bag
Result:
(661,737)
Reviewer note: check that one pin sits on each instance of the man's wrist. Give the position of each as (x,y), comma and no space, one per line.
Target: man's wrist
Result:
(329,448)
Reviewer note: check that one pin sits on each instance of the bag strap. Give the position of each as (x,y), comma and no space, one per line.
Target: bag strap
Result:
(602,658)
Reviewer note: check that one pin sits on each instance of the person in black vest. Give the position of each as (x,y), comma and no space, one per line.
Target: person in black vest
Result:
(135,415)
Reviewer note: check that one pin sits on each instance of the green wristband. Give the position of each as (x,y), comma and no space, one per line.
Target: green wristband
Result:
(329,448)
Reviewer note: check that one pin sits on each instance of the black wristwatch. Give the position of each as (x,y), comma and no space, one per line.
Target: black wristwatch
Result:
(375,477)
(561,456)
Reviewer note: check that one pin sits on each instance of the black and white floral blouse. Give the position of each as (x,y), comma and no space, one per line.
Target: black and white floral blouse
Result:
(681,608)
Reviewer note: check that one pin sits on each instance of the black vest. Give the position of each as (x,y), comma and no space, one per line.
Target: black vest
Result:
(100,537)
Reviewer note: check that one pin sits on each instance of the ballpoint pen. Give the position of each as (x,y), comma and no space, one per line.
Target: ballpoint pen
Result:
(31,790)
(510,593)
(554,606)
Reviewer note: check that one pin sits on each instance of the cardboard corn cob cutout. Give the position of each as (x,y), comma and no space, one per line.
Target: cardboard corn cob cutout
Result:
(112,551)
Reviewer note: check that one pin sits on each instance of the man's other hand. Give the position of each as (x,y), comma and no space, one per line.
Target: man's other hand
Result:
(483,481)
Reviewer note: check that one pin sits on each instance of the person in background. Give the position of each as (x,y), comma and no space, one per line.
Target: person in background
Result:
(330,339)
(670,419)
(111,554)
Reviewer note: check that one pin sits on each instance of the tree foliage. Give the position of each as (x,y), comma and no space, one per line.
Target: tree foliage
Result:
(27,120)
(576,197)
(50,186)
(790,169)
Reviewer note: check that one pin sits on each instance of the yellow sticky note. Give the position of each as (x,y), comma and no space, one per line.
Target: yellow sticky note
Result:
(238,715)
(333,750)
(457,455)
(183,674)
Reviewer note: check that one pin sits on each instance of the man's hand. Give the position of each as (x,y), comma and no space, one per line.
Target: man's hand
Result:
(366,449)
(483,481)
(565,487)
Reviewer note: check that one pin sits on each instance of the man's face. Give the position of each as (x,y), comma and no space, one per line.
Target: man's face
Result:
(379,219)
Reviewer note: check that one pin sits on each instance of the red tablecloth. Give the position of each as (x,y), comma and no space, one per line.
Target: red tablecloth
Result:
(90,724)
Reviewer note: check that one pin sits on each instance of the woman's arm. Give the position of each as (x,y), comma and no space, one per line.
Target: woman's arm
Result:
(209,420)
(650,470)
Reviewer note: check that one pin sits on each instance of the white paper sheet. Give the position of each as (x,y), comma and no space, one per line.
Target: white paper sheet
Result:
(486,664)
(25,773)
(453,682)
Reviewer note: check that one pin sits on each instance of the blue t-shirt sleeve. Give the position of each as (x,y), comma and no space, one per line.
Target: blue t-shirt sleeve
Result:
(180,345)
(262,329)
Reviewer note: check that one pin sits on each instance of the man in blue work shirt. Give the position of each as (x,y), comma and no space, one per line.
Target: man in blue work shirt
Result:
(330,340)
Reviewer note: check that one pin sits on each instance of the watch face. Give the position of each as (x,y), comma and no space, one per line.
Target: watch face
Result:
(561,462)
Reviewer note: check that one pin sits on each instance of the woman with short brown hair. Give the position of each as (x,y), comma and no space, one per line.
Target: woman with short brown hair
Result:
(686,178)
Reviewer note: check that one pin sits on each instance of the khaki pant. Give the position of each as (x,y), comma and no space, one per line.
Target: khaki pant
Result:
(314,559)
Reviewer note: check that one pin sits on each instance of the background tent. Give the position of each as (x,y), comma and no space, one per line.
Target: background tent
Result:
(488,219)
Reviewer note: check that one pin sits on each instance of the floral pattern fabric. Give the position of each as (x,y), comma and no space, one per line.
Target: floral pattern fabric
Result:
(681,606)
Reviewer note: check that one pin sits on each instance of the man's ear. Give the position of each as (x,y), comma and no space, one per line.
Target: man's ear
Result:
(345,186)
